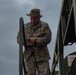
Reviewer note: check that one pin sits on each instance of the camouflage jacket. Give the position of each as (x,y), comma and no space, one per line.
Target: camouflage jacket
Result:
(42,33)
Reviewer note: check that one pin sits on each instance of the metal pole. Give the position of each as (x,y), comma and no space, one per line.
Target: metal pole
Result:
(74,9)
(20,48)
(60,48)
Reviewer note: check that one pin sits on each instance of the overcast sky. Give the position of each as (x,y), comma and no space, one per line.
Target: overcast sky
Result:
(10,12)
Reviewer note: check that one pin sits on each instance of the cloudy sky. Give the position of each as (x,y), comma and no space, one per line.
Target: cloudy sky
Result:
(10,12)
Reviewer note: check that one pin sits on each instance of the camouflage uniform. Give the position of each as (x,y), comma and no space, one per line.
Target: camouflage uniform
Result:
(37,55)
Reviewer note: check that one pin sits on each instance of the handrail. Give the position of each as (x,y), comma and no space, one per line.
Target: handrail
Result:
(67,19)
(21,41)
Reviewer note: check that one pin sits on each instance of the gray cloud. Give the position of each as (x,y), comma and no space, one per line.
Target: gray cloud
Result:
(10,12)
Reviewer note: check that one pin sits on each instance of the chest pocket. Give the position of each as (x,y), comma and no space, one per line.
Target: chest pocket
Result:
(40,32)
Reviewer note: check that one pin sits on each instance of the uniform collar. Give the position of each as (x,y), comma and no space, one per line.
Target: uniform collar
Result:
(35,26)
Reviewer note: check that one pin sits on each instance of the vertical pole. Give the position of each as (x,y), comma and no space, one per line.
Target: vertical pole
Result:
(74,8)
(60,48)
(20,48)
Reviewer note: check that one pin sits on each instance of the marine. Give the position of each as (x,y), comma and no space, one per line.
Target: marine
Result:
(38,35)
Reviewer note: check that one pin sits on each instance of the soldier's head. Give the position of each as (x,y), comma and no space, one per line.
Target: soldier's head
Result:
(35,16)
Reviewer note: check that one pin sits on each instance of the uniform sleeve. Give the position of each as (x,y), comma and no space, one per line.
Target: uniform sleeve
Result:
(18,38)
(46,38)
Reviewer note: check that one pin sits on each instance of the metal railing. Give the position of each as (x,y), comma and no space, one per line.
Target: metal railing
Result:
(66,34)
(21,42)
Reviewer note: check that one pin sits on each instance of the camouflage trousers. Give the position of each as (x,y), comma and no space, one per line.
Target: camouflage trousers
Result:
(33,67)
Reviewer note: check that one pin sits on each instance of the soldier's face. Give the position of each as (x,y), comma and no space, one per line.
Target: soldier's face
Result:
(34,19)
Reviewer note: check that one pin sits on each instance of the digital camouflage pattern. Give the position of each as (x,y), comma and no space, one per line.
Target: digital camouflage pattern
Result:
(42,33)
(34,12)
(37,54)
(32,67)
